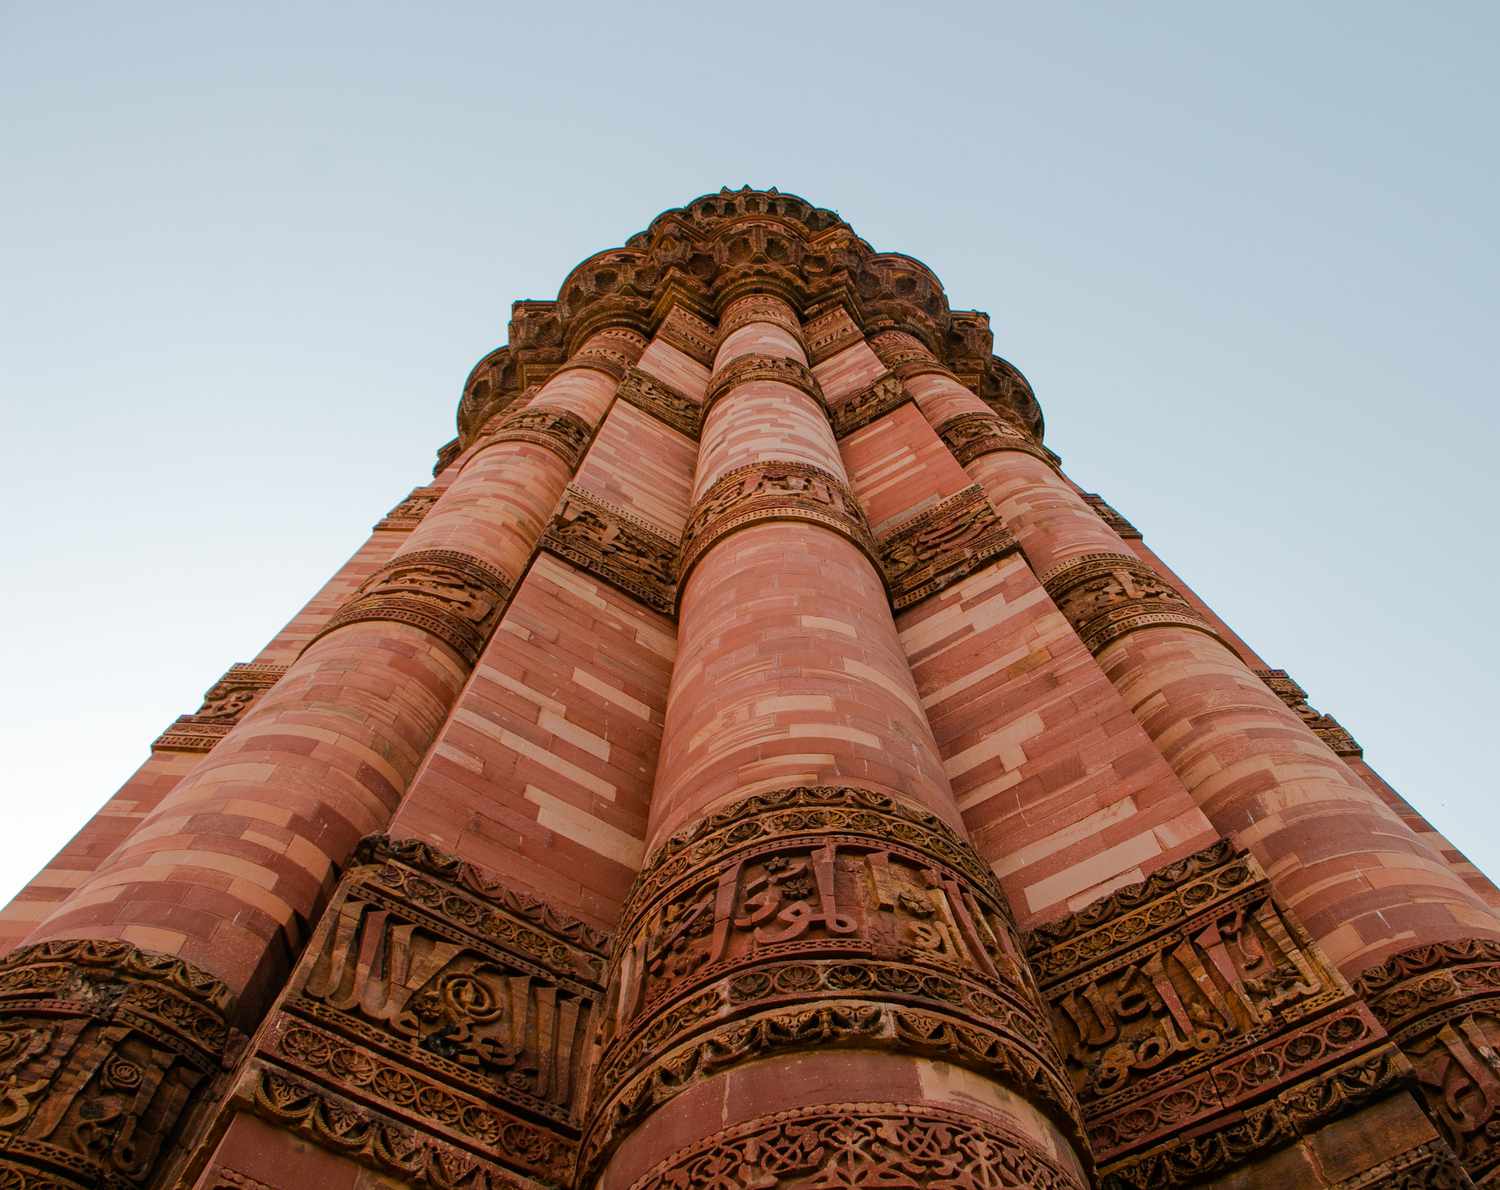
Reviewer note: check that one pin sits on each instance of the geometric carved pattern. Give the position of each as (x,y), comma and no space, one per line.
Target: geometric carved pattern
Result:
(1441,1004)
(970,435)
(1110,517)
(662,402)
(452,595)
(439,1008)
(811,918)
(874,401)
(613,545)
(564,433)
(862,1144)
(222,708)
(941,546)
(103,1048)
(1106,595)
(772,490)
(409,513)
(1200,1024)
(746,368)
(1325,727)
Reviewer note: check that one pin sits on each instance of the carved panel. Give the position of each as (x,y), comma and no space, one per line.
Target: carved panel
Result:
(613,545)
(1200,1025)
(612,351)
(745,368)
(693,336)
(1104,596)
(564,433)
(895,1145)
(1441,1004)
(814,917)
(1110,517)
(905,354)
(772,490)
(103,1050)
(946,543)
(760,308)
(409,513)
(662,402)
(442,1006)
(452,595)
(1325,727)
(970,435)
(223,706)
(870,403)
(829,333)
(446,453)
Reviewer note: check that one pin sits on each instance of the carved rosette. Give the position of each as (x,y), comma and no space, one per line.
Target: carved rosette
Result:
(407,515)
(615,546)
(942,546)
(454,596)
(223,706)
(1441,1003)
(779,368)
(769,491)
(691,335)
(970,435)
(102,1051)
(829,333)
(662,402)
(1200,1024)
(1325,727)
(1104,596)
(1110,517)
(437,1028)
(761,308)
(862,1144)
(812,918)
(561,431)
(879,397)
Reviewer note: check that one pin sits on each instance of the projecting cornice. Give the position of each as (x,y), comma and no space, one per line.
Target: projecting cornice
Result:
(720,247)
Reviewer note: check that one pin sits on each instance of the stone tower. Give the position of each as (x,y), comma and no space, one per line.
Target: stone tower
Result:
(751,763)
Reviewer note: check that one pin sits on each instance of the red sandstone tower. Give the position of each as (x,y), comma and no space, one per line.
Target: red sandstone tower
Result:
(752,764)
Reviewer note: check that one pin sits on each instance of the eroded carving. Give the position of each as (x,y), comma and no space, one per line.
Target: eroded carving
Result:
(1325,727)
(943,545)
(874,401)
(613,545)
(223,706)
(1104,596)
(662,402)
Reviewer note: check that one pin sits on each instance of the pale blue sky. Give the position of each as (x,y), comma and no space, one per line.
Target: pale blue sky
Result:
(1246,255)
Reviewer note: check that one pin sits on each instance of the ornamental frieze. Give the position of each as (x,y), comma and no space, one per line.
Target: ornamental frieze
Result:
(223,706)
(561,431)
(1110,517)
(760,308)
(691,335)
(768,491)
(970,435)
(409,513)
(813,917)
(1106,595)
(942,546)
(104,1048)
(863,1144)
(1200,1025)
(1441,1003)
(1325,727)
(829,333)
(662,402)
(452,595)
(612,545)
(874,401)
(745,368)
(612,351)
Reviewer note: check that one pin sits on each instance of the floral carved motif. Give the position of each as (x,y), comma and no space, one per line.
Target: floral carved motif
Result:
(662,402)
(1192,1003)
(874,1145)
(223,706)
(813,918)
(409,513)
(613,545)
(1325,727)
(772,490)
(104,1049)
(691,335)
(746,368)
(1104,596)
(454,596)
(942,546)
(1110,517)
(564,433)
(1441,1003)
(970,435)
(869,404)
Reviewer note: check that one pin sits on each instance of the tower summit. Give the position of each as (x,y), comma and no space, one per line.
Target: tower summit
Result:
(751,762)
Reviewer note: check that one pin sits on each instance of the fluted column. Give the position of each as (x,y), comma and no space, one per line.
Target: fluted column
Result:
(814,972)
(199,912)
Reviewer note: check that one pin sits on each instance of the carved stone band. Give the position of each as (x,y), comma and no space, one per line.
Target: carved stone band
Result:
(874,401)
(945,544)
(1110,517)
(407,515)
(970,435)
(770,491)
(1325,727)
(222,708)
(612,545)
(563,432)
(452,595)
(830,333)
(691,335)
(612,351)
(1441,1004)
(807,918)
(1104,596)
(779,368)
(863,1144)
(662,402)
(103,1047)
(761,308)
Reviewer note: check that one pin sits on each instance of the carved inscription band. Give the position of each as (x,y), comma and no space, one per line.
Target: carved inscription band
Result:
(407,515)
(874,401)
(691,335)
(612,545)
(564,433)
(779,368)
(970,435)
(942,546)
(1325,727)
(1105,595)
(223,706)
(452,595)
(760,308)
(662,402)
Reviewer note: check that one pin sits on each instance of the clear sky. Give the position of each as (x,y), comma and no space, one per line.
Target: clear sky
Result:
(1246,254)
